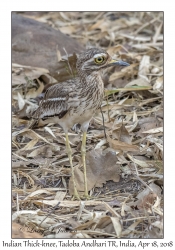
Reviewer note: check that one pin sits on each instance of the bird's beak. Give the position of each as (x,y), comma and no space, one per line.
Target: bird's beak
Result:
(119,63)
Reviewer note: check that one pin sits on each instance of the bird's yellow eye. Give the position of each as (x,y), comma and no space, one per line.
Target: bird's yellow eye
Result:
(99,59)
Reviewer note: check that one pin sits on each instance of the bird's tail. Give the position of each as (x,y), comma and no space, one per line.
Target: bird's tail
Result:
(35,121)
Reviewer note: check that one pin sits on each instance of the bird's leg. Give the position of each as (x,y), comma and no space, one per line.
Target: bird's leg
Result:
(69,152)
(83,153)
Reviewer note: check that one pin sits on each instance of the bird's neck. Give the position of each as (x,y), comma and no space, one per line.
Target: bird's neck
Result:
(91,78)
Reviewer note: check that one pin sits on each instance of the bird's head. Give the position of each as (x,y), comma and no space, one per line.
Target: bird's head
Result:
(95,59)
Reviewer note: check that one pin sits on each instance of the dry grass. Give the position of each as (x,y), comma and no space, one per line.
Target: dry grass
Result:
(125,171)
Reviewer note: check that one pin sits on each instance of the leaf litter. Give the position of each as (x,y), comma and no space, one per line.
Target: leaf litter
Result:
(124,170)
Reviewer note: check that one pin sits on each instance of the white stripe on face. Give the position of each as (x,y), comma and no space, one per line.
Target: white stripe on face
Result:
(101,54)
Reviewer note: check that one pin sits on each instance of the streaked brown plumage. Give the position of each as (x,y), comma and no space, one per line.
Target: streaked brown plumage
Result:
(76,100)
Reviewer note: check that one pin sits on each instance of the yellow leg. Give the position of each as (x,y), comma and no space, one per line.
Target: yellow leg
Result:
(83,153)
(69,152)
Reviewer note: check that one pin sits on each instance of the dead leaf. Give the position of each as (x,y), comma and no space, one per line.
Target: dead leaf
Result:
(68,29)
(30,145)
(144,67)
(49,131)
(131,88)
(60,196)
(121,146)
(37,192)
(142,164)
(30,134)
(154,130)
(46,150)
(100,168)
(117,226)
(122,134)
(158,224)
(131,228)
(21,102)
(158,84)
(101,24)
(147,124)
(147,202)
(146,198)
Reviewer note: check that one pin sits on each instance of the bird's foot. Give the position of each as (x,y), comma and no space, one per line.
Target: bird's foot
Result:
(87,197)
(76,196)
(83,197)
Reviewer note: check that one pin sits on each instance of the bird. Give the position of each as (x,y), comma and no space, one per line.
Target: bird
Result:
(75,101)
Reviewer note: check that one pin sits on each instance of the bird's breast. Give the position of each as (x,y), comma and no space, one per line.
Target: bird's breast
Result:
(92,97)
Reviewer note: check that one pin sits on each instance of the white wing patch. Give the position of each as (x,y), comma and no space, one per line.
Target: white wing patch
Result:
(55,99)
(48,112)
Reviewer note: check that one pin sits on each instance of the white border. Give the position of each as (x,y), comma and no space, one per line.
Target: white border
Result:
(5,94)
